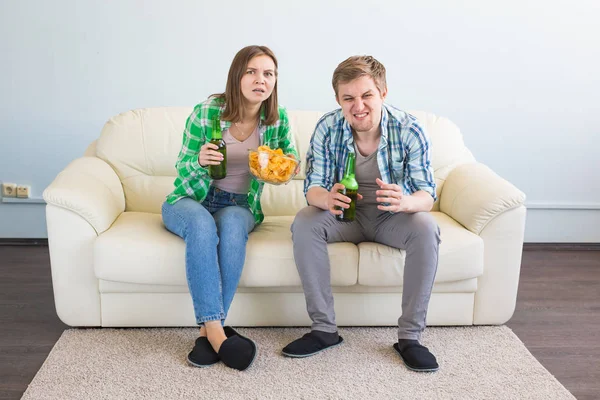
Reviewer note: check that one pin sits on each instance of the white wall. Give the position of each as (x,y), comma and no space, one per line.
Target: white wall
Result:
(516,76)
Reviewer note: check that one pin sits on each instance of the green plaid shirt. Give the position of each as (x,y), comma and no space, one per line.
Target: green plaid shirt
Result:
(193,180)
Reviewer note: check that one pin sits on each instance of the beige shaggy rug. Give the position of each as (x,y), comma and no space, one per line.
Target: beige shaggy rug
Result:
(475,363)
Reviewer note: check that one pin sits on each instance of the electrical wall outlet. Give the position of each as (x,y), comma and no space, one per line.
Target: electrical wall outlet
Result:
(23,191)
(9,190)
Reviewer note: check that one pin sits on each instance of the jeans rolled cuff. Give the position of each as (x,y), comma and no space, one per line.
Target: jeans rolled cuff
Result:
(215,317)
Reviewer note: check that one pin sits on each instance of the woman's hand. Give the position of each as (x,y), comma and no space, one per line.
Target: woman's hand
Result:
(208,156)
(291,155)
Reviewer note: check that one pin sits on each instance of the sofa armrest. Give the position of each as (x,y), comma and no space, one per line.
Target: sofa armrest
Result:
(89,187)
(474,195)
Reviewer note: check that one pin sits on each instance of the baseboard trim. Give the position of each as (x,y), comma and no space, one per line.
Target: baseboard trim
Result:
(562,246)
(23,242)
(562,206)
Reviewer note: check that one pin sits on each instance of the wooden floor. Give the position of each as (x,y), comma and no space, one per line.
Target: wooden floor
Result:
(557,316)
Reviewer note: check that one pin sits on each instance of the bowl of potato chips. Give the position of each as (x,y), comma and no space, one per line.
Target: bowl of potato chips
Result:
(272,166)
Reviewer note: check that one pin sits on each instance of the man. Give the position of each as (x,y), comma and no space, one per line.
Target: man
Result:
(396,193)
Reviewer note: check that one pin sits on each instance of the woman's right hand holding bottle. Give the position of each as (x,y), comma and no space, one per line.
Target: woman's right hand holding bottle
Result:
(208,155)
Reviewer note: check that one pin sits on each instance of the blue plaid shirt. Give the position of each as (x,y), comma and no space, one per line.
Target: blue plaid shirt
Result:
(403,155)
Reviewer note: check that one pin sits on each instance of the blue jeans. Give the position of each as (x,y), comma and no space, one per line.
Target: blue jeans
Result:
(215,234)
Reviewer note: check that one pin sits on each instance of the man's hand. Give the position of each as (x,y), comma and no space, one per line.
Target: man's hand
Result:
(399,202)
(337,199)
(392,194)
(327,200)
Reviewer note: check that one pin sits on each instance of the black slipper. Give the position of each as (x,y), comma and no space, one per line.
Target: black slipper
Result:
(237,351)
(202,355)
(417,358)
(309,345)
(229,332)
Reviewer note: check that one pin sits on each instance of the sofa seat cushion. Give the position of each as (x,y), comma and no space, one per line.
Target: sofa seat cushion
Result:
(138,248)
(460,257)
(270,257)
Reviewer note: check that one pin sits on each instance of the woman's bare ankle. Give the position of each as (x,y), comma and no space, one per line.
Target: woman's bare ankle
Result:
(216,335)
(203,331)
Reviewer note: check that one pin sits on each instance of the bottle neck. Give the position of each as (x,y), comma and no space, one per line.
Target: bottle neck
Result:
(216,130)
(349,171)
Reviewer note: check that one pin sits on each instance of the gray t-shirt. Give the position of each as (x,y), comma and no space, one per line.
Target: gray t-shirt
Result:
(366,171)
(238,172)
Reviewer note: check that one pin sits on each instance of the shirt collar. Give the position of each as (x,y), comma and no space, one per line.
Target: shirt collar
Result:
(383,126)
(347,136)
(224,124)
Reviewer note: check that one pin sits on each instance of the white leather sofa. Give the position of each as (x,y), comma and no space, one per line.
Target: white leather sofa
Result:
(115,264)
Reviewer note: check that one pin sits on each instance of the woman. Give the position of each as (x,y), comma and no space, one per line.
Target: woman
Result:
(214,217)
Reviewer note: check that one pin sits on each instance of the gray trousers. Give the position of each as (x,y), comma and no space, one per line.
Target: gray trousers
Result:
(417,233)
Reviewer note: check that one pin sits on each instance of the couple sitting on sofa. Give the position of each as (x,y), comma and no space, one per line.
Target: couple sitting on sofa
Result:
(214,217)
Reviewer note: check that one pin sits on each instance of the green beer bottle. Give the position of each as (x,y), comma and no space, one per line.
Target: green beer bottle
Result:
(218,171)
(350,190)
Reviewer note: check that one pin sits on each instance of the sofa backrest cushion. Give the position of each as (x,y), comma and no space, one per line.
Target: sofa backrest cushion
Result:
(142,147)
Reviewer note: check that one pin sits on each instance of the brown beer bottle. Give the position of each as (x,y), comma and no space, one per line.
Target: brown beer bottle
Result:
(350,190)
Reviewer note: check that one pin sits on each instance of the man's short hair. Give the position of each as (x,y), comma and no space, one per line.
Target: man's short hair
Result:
(356,66)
